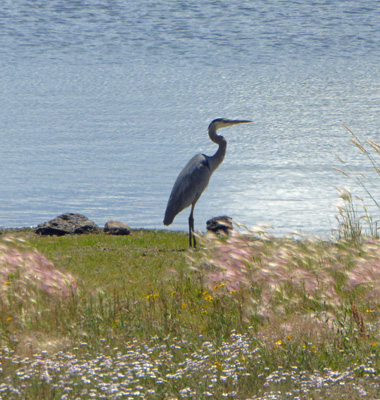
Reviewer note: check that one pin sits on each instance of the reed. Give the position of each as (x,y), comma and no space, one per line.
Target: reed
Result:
(354,218)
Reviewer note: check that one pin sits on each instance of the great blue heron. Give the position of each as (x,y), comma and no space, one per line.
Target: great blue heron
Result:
(194,178)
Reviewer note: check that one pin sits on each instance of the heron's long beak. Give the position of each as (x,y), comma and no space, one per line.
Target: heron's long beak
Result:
(236,121)
(241,121)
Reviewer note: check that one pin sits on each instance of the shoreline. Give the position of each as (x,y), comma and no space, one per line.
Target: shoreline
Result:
(101,230)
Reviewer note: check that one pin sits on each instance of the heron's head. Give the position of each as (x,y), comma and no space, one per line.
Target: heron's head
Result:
(224,122)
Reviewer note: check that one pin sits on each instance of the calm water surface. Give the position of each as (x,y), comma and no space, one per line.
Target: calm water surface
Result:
(103,103)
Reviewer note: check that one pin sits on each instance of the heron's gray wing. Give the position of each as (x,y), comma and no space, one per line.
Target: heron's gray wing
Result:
(188,187)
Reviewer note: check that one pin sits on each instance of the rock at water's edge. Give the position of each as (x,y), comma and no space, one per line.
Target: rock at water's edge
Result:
(66,224)
(222,224)
(116,228)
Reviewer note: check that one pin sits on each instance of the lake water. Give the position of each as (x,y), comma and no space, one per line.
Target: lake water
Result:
(103,102)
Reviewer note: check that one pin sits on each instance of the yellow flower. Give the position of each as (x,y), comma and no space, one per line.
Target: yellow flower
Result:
(374,344)
(7,283)
(9,319)
(205,293)
(288,337)
(149,296)
(184,305)
(216,287)
(218,365)
(279,343)
(209,298)
(173,293)
(222,284)
(232,291)
(369,311)
(204,312)
(155,295)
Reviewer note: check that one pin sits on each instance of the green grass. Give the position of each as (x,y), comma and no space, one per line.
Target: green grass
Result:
(136,286)
(117,263)
(146,308)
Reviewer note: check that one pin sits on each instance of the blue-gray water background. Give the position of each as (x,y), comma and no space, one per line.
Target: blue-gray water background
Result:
(103,102)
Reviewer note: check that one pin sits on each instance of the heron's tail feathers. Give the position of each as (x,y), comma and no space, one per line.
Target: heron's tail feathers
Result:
(168,218)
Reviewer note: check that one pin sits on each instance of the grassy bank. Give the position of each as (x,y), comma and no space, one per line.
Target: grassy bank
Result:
(98,316)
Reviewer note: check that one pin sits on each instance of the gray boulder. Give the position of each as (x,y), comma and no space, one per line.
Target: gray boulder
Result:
(116,228)
(67,224)
(222,224)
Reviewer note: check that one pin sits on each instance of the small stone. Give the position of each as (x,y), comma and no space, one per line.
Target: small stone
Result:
(116,228)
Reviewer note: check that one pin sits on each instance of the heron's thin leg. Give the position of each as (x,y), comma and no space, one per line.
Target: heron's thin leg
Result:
(192,241)
(190,234)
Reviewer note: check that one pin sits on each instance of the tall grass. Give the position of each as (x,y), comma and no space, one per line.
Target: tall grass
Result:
(355,221)
(252,315)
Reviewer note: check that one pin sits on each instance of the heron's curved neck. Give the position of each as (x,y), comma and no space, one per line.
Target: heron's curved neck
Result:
(218,157)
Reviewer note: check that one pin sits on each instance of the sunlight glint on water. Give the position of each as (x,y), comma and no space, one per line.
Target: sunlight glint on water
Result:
(103,104)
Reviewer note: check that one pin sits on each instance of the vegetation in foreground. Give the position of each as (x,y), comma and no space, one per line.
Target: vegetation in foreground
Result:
(99,316)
